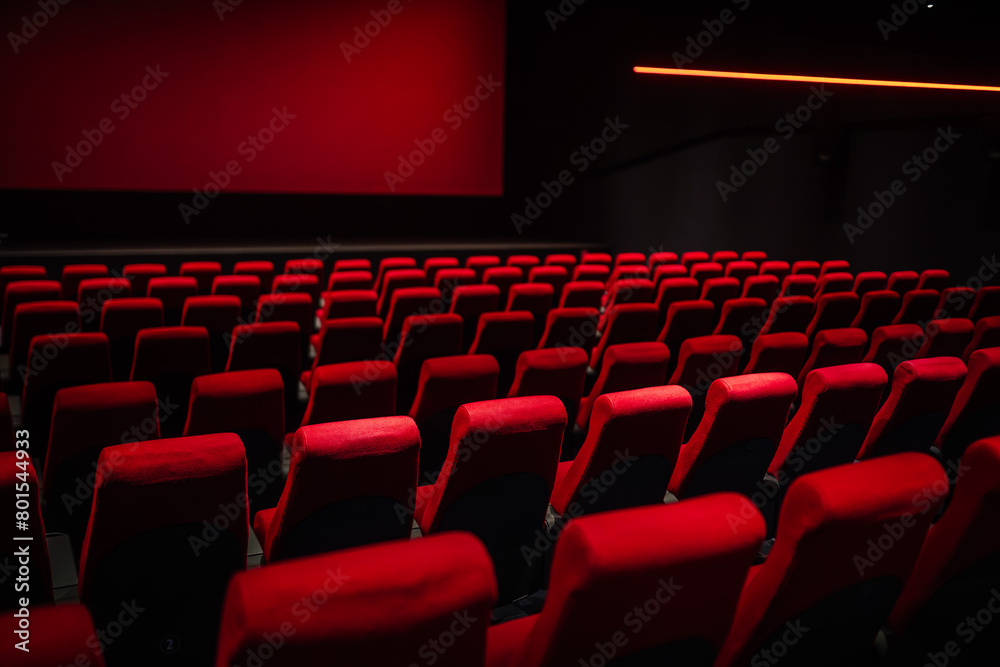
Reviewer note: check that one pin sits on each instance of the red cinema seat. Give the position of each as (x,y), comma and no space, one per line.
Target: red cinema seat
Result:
(837,410)
(692,257)
(662,257)
(834,347)
(778,353)
(264,271)
(582,294)
(170,358)
(504,277)
(560,259)
(616,579)
(217,315)
(831,283)
(17,476)
(482,263)
(922,393)
(349,280)
(627,272)
(975,414)
(121,321)
(586,272)
(902,282)
(93,293)
(73,274)
(57,361)
(6,425)
(686,319)
(352,390)
(470,302)
(819,576)
(955,302)
(740,317)
(720,290)
(775,268)
(623,258)
(36,318)
(268,345)
(805,267)
(348,485)
(626,366)
(918,307)
(392,264)
(172,293)
(986,303)
(740,270)
(61,634)
(19,273)
(296,308)
(761,287)
(724,257)
(448,279)
(346,339)
(297,283)
(496,481)
(559,372)
(869,281)
(955,575)
(946,338)
(572,327)
(203,273)
(407,302)
(799,284)
(434,264)
(536,298)
(356,264)
(700,362)
(893,344)
(935,279)
(423,337)
(348,303)
(147,543)
(378,609)
(504,336)
(703,271)
(557,276)
(636,290)
(25,291)
(523,262)
(665,272)
(985,334)
(627,323)
(672,290)
(587,257)
(834,266)
(754,256)
(309,265)
(140,275)
(85,420)
(789,313)
(445,384)
(621,448)
(245,288)
(737,438)
(877,309)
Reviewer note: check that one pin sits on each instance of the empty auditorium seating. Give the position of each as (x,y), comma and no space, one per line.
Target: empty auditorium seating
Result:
(877,309)
(946,338)
(559,372)
(789,313)
(482,263)
(348,303)
(834,347)
(217,315)
(740,270)
(264,270)
(587,257)
(61,634)
(573,327)
(686,319)
(536,298)
(869,281)
(922,393)
(776,268)
(17,476)
(504,336)
(291,283)
(635,290)
(834,266)
(85,419)
(24,291)
(170,358)
(392,264)
(434,264)
(975,414)
(93,293)
(985,334)
(692,257)
(503,277)
(351,390)
(806,267)
(831,283)
(469,302)
(622,463)
(349,280)
(630,258)
(35,319)
(754,256)
(355,264)
(347,339)
(582,294)
(799,284)
(917,307)
(438,587)
(73,274)
(17,273)
(557,276)
(203,272)
(585,271)
(738,318)
(778,353)
(448,279)
(720,290)
(560,259)
(701,361)
(667,271)
(732,446)
(823,593)
(902,282)
(268,345)
(348,485)
(121,321)
(245,288)
(627,323)
(672,290)
(703,271)
(296,308)
(423,337)
(986,303)
(406,302)
(445,384)
(761,287)
(626,366)
(661,257)
(149,547)
(893,344)
(172,292)
(523,262)
(630,272)
(955,302)
(496,481)
(935,279)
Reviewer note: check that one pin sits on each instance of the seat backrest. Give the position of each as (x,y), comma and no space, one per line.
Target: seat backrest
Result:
(741,270)
(349,303)
(434,264)
(72,274)
(834,266)
(878,308)
(799,284)
(869,281)
(835,310)
(686,319)
(217,314)
(946,338)
(395,280)
(202,272)
(754,256)
(778,353)
(36,318)
(245,288)
(351,390)
(935,279)
(704,359)
(18,273)
(893,344)
(922,393)
(777,268)
(974,414)
(169,350)
(720,290)
(806,267)
(738,317)
(391,264)
(918,307)
(350,280)
(629,258)
(626,366)
(666,272)
(355,264)
(266,345)
(834,347)
(986,303)
(662,257)
(264,270)
(573,327)
(310,265)
(582,294)
(560,259)
(692,257)
(239,401)
(626,323)
(426,336)
(503,277)
(702,271)
(503,331)
(761,287)
(955,302)
(123,318)
(409,301)
(837,281)
(986,334)
(557,276)
(288,307)
(25,291)
(902,282)
(591,271)
(524,262)
(789,313)
(470,302)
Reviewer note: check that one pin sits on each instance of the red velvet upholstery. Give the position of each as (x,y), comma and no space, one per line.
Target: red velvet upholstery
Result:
(627,272)
(776,268)
(264,271)
(337,463)
(409,301)
(297,283)
(627,323)
(392,264)
(559,372)
(741,270)
(706,358)
(93,293)
(738,316)
(918,307)
(73,274)
(469,302)
(986,303)
(348,303)
(662,257)
(672,290)
(447,280)
(838,406)
(309,265)
(902,282)
(17,273)
(955,302)
(202,272)
(831,283)
(557,276)
(686,319)
(381,605)
(503,277)
(629,258)
(822,554)
(628,430)
(666,272)
(523,262)
(720,290)
(172,292)
(834,347)
(573,327)
(724,256)
(356,264)
(754,256)
(237,401)
(267,345)
(935,279)
(702,271)
(121,320)
(246,288)
(434,264)
(964,538)
(582,294)
(975,414)
(585,271)
(537,298)
(482,263)
(946,338)
(834,266)
(626,366)
(833,311)
(395,280)
(869,281)
(423,337)
(560,259)
(352,390)
(789,313)
(17,476)
(25,291)
(350,280)
(893,344)
(761,287)
(985,335)
(799,284)
(347,339)
(923,392)
(36,318)
(626,567)
(692,257)
(61,634)
(217,314)
(292,307)
(587,257)
(744,412)
(170,358)
(778,353)
(805,267)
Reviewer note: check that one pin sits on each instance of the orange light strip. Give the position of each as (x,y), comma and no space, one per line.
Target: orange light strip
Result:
(810,79)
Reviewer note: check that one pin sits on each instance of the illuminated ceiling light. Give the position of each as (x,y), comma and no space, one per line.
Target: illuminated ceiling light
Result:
(810,79)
